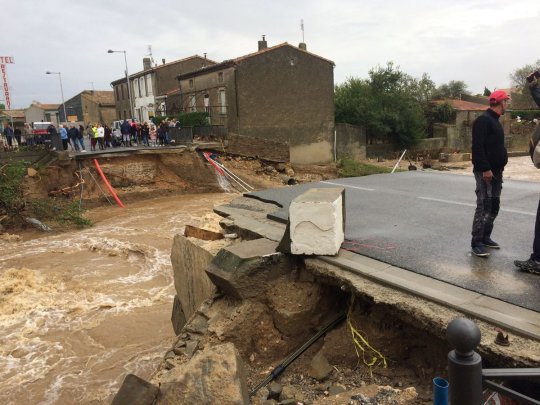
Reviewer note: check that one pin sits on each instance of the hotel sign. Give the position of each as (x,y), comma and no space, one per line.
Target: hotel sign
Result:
(3,61)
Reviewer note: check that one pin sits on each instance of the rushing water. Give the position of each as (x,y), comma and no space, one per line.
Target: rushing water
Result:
(80,310)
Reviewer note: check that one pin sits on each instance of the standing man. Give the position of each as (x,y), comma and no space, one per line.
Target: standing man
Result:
(64,136)
(532,265)
(8,133)
(489,157)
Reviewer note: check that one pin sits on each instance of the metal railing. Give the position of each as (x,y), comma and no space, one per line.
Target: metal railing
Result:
(467,378)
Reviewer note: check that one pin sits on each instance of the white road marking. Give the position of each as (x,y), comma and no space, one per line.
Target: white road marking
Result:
(343,185)
(474,205)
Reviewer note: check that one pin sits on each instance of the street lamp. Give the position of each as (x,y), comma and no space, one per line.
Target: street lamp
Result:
(127,80)
(61,92)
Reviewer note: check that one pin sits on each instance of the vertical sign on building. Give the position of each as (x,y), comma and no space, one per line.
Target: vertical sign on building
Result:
(3,61)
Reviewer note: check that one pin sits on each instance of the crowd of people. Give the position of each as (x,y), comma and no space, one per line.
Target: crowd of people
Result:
(101,136)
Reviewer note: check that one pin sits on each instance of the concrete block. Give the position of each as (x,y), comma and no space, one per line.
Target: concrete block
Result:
(135,391)
(317,221)
(244,270)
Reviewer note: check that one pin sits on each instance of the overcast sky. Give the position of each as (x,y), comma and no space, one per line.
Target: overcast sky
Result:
(478,41)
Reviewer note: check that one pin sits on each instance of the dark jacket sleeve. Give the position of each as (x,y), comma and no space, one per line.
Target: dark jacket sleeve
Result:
(479,138)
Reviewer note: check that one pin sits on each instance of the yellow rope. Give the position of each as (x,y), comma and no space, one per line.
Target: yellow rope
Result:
(361,343)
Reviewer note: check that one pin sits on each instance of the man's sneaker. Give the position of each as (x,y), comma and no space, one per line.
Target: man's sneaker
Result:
(490,243)
(530,266)
(479,250)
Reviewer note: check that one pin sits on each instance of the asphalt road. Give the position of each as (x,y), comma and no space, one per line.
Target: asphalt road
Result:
(421,221)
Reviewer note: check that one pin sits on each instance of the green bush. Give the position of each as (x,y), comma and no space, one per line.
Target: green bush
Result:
(528,115)
(193,119)
(351,168)
(11,193)
(63,212)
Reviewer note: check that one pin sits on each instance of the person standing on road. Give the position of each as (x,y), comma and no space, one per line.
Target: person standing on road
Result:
(73,134)
(8,133)
(101,136)
(124,130)
(64,137)
(532,264)
(489,157)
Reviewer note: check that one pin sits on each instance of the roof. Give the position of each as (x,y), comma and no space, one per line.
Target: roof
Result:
(461,105)
(14,113)
(284,44)
(49,107)
(153,69)
(233,62)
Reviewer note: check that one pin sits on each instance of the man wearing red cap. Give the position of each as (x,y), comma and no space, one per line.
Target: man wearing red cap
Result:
(532,265)
(489,157)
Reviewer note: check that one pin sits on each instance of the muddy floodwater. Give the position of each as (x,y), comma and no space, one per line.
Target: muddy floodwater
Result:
(80,310)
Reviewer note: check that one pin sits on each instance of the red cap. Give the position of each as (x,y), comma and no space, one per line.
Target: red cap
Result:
(498,96)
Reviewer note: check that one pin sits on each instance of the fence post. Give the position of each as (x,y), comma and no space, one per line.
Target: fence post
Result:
(464,364)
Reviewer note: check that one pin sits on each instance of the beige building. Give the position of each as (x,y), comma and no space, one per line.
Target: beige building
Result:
(150,86)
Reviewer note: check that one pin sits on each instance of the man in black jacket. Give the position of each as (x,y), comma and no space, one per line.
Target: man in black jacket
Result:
(489,157)
(532,264)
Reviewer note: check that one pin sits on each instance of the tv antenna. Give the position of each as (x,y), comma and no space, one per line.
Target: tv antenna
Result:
(150,54)
(302,28)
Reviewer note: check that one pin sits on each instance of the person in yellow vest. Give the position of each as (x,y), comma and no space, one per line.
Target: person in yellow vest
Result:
(95,136)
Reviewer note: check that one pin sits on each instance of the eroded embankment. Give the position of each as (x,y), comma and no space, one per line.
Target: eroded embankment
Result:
(132,176)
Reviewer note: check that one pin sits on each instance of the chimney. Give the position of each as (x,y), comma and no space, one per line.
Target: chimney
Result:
(303,46)
(147,63)
(263,44)
(163,60)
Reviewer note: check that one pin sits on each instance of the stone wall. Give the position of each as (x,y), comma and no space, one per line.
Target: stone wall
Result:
(350,142)
(287,95)
(263,148)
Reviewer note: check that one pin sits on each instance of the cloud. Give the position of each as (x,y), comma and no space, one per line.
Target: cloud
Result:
(478,41)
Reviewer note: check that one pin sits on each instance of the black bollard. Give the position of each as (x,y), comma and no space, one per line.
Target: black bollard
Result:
(464,364)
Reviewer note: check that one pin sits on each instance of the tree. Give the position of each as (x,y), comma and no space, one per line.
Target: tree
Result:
(2,106)
(517,77)
(487,92)
(521,98)
(390,104)
(453,89)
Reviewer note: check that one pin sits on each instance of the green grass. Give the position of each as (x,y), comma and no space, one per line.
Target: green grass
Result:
(352,168)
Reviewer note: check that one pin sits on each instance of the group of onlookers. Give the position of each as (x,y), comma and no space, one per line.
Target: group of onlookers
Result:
(131,133)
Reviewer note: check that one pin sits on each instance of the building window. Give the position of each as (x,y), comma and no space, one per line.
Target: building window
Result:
(190,83)
(140,85)
(192,103)
(222,102)
(220,77)
(116,93)
(149,90)
(122,90)
(207,103)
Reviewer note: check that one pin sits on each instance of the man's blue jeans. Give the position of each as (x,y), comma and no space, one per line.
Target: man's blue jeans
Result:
(488,201)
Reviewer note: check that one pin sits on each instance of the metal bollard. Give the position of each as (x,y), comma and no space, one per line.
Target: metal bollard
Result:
(464,364)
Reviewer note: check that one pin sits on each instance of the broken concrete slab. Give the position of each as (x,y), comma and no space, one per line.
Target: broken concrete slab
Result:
(135,391)
(244,270)
(178,318)
(213,376)
(190,280)
(199,233)
(317,221)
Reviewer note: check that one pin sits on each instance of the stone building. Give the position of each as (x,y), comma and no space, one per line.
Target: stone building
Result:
(90,106)
(278,94)
(149,87)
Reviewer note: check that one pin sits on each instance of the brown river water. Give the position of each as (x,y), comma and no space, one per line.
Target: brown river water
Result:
(80,310)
